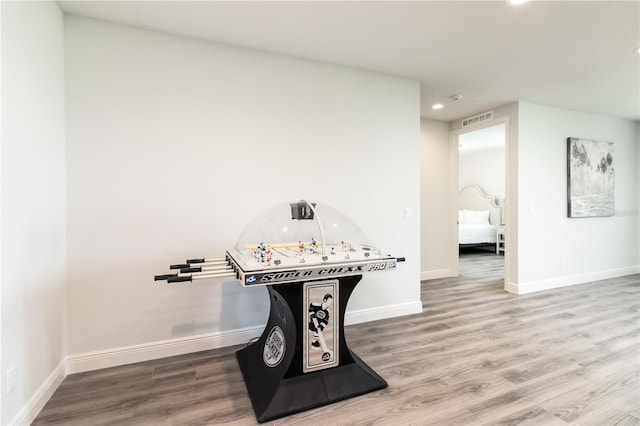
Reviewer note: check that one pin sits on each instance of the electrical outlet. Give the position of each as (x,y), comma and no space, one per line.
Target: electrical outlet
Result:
(11,379)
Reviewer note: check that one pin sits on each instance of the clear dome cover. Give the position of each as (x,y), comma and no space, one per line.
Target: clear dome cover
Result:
(301,233)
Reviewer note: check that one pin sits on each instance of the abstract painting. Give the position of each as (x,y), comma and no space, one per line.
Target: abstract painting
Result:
(591,178)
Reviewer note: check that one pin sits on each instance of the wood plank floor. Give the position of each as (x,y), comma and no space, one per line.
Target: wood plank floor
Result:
(475,356)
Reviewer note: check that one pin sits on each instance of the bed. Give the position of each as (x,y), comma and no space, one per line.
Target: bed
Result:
(479,215)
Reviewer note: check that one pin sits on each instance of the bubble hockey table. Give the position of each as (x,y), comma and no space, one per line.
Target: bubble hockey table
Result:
(302,360)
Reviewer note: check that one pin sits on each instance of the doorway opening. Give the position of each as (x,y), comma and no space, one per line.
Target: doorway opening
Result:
(480,182)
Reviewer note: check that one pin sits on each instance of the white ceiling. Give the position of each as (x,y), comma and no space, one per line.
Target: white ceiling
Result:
(576,55)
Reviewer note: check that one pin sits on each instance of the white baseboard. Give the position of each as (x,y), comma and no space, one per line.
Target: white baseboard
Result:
(512,288)
(389,311)
(38,400)
(154,350)
(436,274)
(530,287)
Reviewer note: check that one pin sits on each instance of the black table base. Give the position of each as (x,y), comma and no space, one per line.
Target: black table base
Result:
(276,382)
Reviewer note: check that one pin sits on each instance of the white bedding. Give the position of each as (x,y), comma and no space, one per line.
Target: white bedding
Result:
(478,215)
(476,234)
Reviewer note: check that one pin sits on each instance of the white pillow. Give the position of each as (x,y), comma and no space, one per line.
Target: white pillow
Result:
(477,217)
(462,218)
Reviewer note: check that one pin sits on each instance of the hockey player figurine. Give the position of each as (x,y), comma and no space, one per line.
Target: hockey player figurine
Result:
(314,246)
(333,250)
(269,255)
(300,246)
(261,252)
(343,246)
(319,318)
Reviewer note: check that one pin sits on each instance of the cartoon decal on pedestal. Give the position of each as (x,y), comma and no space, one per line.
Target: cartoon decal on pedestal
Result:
(321,334)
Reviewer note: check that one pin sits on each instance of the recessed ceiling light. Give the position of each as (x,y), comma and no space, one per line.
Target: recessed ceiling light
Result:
(517,2)
(637,51)
(437,106)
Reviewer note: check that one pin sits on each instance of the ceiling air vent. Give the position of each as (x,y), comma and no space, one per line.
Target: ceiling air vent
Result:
(477,119)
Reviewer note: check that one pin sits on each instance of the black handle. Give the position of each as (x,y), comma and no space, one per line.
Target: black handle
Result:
(164,277)
(178,279)
(180,266)
(189,270)
(401,259)
(195,260)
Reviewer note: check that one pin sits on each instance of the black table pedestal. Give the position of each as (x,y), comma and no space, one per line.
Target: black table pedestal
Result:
(274,367)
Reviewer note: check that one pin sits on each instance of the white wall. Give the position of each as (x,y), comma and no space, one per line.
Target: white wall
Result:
(554,249)
(33,204)
(174,145)
(484,168)
(436,188)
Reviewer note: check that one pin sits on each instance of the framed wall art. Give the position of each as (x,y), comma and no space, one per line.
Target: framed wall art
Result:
(591,178)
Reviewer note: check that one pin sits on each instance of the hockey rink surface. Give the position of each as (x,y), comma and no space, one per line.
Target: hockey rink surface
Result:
(264,256)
